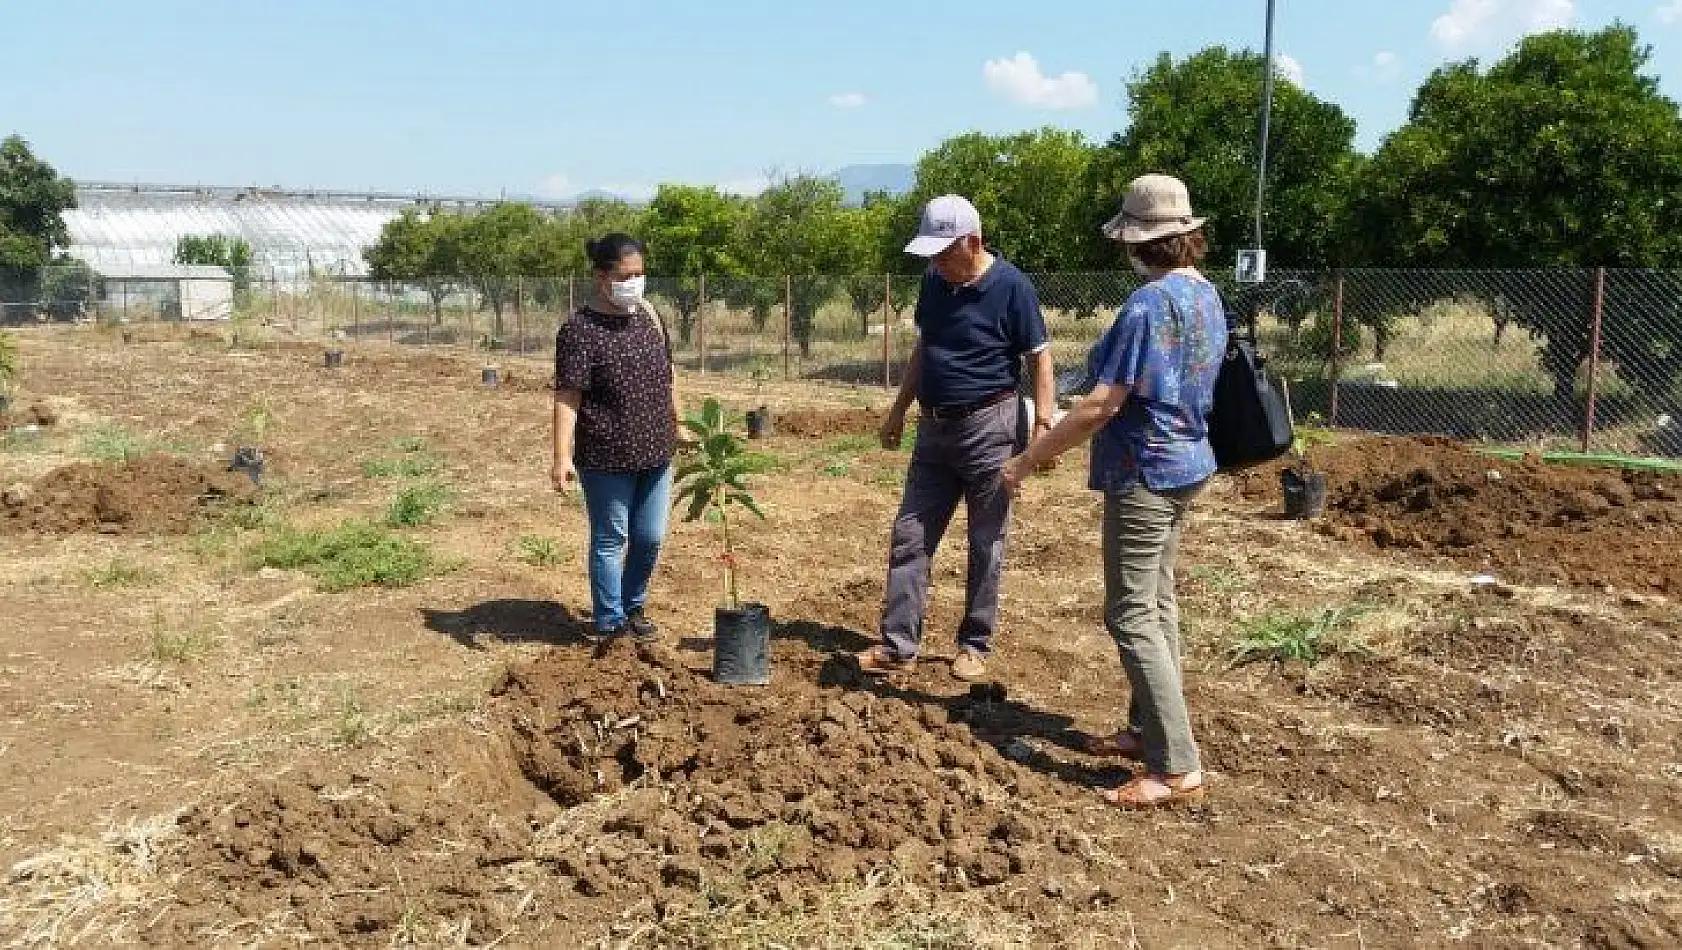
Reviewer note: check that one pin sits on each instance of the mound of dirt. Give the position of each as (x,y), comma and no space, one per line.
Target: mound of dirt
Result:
(156,494)
(622,779)
(1526,521)
(823,423)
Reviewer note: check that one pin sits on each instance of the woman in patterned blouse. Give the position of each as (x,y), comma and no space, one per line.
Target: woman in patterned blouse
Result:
(616,432)
(1147,416)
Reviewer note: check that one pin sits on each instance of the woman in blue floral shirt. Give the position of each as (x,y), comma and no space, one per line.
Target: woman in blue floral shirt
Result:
(1147,419)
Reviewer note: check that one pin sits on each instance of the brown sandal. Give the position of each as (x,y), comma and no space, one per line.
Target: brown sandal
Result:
(1125,744)
(1134,797)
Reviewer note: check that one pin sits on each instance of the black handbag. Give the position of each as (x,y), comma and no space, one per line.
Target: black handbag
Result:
(1249,424)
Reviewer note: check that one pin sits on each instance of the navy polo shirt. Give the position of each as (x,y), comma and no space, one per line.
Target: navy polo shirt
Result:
(974,336)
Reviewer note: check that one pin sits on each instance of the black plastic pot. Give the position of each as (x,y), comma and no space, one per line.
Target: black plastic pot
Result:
(488,376)
(1305,493)
(335,359)
(759,423)
(742,646)
(248,459)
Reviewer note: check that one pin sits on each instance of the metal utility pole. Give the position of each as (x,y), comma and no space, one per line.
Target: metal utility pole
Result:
(1266,124)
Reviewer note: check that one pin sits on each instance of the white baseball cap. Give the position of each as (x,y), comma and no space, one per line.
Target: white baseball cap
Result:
(945,219)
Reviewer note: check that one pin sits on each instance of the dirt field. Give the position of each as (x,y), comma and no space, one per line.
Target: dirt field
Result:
(196,749)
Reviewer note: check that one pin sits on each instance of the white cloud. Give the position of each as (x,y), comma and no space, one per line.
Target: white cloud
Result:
(554,186)
(1669,13)
(1478,24)
(1385,66)
(848,100)
(1019,79)
(1290,68)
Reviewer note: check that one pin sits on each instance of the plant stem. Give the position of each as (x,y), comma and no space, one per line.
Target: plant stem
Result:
(729,554)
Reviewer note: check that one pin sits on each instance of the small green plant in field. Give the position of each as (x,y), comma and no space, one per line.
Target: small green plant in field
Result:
(110,442)
(179,646)
(712,483)
(350,720)
(417,505)
(539,551)
(119,573)
(1217,580)
(11,364)
(852,445)
(1307,638)
(399,467)
(354,554)
(1311,435)
(837,468)
(256,421)
(414,461)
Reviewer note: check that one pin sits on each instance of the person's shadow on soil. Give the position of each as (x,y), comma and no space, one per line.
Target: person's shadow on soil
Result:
(511,621)
(985,709)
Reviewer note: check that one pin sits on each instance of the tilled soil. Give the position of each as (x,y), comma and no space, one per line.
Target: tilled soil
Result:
(617,782)
(451,764)
(823,423)
(1525,522)
(155,494)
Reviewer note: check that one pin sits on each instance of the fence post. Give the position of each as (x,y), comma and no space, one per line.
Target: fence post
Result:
(520,315)
(1594,356)
(1337,349)
(701,323)
(887,331)
(788,324)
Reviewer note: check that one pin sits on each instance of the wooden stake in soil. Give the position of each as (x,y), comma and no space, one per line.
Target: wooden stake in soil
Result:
(1594,357)
(1337,348)
(888,332)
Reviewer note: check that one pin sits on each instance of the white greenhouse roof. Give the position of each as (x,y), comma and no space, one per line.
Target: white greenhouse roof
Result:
(291,233)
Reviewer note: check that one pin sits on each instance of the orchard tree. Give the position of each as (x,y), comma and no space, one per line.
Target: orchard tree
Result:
(33,199)
(1029,188)
(494,250)
(868,230)
(693,233)
(418,250)
(1562,155)
(1196,119)
(799,227)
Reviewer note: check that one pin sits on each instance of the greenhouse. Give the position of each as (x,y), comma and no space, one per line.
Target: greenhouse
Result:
(293,234)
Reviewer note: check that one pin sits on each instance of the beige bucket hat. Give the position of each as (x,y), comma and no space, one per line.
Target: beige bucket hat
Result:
(1156,206)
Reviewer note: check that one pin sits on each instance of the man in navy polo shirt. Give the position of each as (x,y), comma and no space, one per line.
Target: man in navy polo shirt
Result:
(978,319)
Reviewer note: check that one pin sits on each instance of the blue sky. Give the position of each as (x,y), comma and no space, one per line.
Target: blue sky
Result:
(550,98)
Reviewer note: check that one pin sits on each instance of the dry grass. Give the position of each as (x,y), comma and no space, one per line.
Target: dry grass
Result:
(883,912)
(89,889)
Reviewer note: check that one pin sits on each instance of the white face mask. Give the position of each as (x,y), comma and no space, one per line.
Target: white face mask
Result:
(1139,267)
(627,293)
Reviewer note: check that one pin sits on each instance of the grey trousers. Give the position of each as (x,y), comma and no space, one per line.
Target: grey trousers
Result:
(953,460)
(1141,540)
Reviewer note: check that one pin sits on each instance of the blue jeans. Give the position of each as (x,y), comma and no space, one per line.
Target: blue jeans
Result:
(627,524)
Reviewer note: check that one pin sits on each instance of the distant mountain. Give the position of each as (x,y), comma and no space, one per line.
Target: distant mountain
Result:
(860,180)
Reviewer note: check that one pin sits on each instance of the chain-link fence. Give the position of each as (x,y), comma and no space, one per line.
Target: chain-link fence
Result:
(1583,359)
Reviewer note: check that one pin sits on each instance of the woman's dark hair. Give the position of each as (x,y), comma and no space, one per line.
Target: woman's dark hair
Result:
(1181,250)
(608,250)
